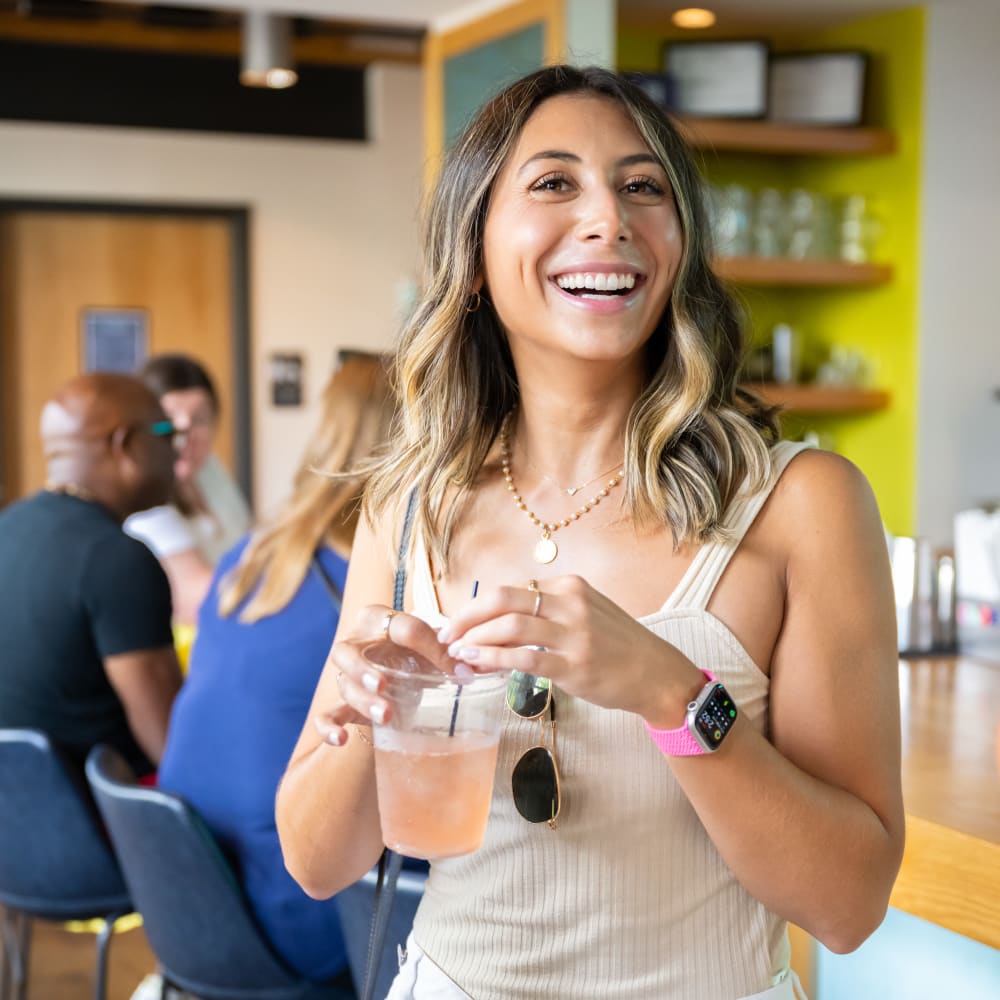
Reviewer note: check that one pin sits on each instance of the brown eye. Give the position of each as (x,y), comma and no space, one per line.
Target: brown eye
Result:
(643,185)
(551,182)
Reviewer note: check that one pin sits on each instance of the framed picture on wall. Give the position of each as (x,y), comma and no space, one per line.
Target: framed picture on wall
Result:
(718,79)
(818,88)
(113,340)
(286,371)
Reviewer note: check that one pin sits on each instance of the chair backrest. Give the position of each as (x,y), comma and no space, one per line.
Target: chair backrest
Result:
(55,859)
(356,904)
(196,917)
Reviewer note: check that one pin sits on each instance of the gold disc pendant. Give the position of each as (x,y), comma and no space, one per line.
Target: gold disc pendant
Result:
(546,549)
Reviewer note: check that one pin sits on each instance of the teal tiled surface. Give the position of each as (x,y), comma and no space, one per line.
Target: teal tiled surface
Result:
(909,959)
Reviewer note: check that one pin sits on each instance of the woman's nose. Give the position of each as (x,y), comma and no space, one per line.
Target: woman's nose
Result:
(604,217)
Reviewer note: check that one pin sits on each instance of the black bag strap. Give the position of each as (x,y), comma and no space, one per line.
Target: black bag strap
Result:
(390,862)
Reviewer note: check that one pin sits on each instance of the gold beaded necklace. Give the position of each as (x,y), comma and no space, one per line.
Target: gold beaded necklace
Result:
(546,549)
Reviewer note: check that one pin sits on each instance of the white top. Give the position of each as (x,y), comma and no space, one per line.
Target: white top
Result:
(629,897)
(167,531)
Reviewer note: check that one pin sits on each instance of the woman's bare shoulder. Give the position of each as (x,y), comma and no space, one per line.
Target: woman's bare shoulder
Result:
(823,485)
(823,512)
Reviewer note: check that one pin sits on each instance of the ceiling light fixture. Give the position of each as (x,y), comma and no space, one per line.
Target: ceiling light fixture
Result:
(267,51)
(693,17)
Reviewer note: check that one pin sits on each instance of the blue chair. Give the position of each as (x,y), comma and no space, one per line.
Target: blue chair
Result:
(197,919)
(356,904)
(55,860)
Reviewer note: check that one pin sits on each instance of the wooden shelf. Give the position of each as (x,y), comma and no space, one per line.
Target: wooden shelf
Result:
(783,139)
(820,398)
(777,271)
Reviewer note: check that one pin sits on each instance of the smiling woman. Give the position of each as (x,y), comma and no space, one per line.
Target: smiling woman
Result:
(588,223)
(725,688)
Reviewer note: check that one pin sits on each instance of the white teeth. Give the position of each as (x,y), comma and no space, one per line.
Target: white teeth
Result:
(599,282)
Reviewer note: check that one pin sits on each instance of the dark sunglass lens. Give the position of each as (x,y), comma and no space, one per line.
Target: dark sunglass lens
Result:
(527,695)
(536,790)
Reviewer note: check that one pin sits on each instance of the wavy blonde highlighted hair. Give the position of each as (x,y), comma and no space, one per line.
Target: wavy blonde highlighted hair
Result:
(326,496)
(692,435)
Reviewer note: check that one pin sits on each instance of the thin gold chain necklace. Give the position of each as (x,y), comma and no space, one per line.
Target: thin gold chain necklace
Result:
(546,549)
(573,490)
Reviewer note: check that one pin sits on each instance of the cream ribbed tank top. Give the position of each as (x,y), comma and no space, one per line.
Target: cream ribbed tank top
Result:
(628,898)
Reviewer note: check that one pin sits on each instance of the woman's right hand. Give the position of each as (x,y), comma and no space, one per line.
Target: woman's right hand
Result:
(358,683)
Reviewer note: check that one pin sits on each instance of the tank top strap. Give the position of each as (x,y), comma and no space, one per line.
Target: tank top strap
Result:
(699,581)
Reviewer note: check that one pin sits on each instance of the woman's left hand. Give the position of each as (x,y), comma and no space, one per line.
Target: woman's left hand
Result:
(585,643)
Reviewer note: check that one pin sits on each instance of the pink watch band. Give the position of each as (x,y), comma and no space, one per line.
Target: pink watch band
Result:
(678,742)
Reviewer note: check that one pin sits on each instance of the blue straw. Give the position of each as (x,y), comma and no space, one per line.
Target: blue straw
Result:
(458,693)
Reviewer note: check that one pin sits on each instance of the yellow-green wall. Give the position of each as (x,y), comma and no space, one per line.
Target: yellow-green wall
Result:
(880,321)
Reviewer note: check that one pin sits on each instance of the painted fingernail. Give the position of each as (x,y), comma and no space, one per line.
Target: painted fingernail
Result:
(335,737)
(464,670)
(377,713)
(369,681)
(466,653)
(444,634)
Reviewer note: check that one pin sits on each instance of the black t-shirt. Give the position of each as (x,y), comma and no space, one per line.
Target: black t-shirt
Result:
(74,588)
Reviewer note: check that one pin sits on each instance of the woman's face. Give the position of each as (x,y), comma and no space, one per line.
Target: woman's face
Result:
(582,240)
(192,413)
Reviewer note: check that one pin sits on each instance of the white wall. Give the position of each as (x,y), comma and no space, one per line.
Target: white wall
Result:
(958,450)
(332,230)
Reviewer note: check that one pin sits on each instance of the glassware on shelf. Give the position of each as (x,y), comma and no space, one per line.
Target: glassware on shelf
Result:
(857,229)
(786,354)
(730,208)
(846,366)
(810,226)
(795,225)
(767,237)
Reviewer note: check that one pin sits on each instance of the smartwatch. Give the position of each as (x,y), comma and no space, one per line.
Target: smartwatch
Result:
(709,718)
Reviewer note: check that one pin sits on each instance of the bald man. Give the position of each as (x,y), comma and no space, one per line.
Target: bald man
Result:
(86,651)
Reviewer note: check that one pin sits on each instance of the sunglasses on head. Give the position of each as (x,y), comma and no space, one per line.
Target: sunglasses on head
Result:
(535,779)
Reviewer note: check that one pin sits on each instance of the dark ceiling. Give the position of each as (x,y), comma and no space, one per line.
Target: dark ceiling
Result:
(158,66)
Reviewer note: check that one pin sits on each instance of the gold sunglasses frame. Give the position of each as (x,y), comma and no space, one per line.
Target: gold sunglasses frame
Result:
(550,707)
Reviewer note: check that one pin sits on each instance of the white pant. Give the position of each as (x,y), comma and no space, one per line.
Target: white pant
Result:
(420,979)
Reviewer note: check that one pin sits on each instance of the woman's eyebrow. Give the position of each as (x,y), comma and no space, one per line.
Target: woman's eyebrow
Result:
(566,157)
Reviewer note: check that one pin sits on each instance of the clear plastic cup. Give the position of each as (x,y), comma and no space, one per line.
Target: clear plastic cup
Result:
(435,756)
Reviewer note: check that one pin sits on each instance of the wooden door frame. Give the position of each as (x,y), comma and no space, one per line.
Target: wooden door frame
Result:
(237,217)
(442,45)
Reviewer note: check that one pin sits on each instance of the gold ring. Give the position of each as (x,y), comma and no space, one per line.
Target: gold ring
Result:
(386,622)
(533,587)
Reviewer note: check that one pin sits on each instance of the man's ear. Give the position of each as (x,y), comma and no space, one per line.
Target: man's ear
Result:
(119,438)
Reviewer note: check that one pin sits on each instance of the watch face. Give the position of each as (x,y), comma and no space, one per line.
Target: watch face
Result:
(715,717)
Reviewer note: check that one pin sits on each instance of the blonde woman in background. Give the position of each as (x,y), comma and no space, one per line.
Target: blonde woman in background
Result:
(573,425)
(263,634)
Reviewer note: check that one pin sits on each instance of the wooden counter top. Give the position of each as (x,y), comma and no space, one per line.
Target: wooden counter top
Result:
(951,790)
